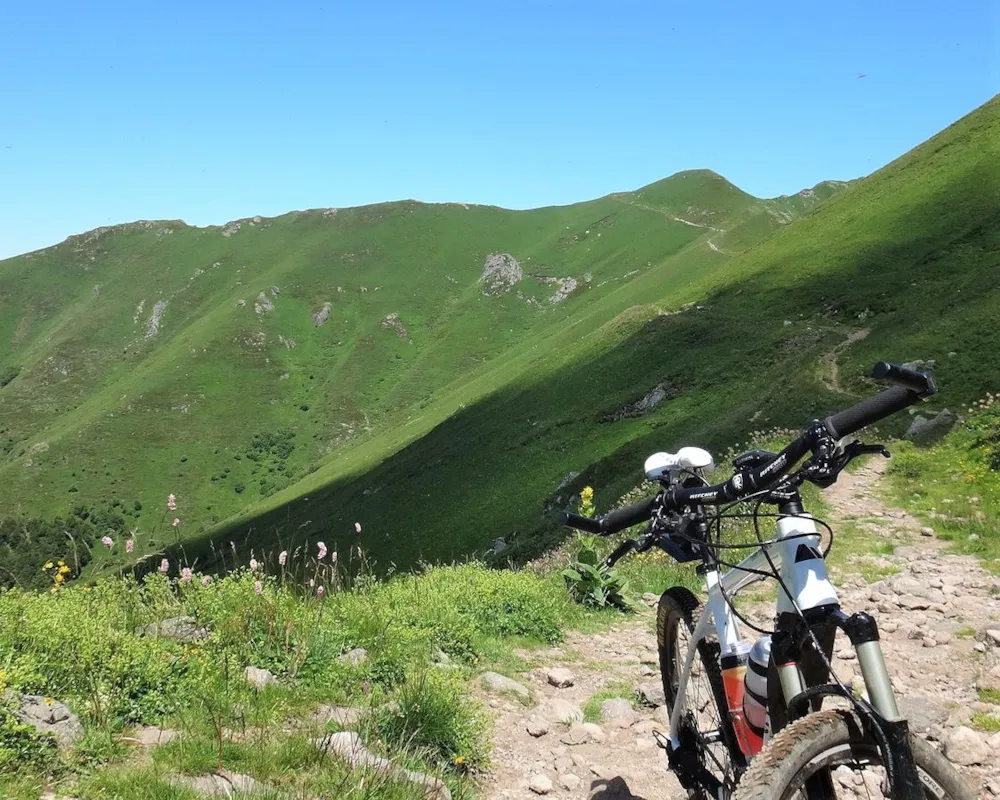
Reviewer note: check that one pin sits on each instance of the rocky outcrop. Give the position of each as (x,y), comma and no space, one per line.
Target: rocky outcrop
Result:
(501,273)
(47,716)
(393,323)
(153,326)
(321,316)
(263,304)
(645,404)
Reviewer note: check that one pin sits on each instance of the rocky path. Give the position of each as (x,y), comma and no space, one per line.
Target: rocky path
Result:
(939,614)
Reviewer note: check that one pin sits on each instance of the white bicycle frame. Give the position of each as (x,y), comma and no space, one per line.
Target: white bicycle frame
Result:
(807,581)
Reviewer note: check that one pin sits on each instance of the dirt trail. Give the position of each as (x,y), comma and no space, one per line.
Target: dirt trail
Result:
(831,373)
(933,609)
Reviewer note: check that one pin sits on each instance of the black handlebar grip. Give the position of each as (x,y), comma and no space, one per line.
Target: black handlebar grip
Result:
(627,517)
(872,409)
(918,382)
(580,523)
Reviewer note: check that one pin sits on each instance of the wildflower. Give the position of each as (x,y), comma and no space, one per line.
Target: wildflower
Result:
(60,577)
(357,527)
(207,579)
(319,591)
(176,522)
(253,565)
(164,566)
(48,565)
(186,574)
(61,563)
(333,557)
(258,588)
(107,541)
(312,582)
(282,557)
(459,760)
(171,502)
(129,545)
(63,569)
(322,551)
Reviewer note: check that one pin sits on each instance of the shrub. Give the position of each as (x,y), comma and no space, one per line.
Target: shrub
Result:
(592,583)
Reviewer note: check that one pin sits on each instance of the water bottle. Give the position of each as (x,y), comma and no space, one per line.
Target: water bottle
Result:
(755,694)
(734,663)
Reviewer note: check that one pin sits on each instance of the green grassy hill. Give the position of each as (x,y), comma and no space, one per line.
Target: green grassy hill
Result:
(224,364)
(908,258)
(456,420)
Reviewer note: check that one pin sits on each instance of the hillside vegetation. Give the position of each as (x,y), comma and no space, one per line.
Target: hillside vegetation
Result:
(902,266)
(225,364)
(436,411)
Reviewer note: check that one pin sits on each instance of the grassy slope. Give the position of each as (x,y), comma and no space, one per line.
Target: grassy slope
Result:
(911,254)
(99,408)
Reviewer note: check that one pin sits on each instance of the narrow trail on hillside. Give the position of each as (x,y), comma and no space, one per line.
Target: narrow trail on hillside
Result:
(933,608)
(709,242)
(831,372)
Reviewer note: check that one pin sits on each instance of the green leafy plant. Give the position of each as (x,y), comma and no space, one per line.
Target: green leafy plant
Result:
(596,585)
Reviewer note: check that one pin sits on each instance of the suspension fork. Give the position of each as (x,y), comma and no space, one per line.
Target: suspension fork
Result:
(881,717)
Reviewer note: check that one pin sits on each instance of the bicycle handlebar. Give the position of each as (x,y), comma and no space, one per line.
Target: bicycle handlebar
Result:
(613,521)
(910,387)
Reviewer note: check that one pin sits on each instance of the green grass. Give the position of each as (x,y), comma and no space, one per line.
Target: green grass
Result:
(85,646)
(990,696)
(986,722)
(953,483)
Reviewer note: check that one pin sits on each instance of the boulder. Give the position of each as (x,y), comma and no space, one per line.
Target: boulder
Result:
(46,716)
(965,747)
(555,709)
(618,713)
(259,677)
(501,683)
(357,657)
(651,693)
(560,677)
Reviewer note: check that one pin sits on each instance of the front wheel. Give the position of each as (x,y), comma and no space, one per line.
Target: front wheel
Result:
(833,742)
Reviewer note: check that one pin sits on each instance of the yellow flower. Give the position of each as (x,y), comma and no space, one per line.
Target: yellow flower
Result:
(459,760)
(60,578)
(587,493)
(61,563)
(48,565)
(63,569)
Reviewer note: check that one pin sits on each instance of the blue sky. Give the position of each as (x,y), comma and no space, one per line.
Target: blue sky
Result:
(210,111)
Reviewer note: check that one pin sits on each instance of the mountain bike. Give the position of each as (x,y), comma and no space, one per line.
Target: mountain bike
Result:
(747,720)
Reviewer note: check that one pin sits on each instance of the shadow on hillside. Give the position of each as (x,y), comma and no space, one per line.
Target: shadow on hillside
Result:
(492,469)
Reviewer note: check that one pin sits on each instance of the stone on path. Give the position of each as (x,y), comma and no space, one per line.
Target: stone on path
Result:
(501,683)
(540,784)
(651,694)
(154,736)
(560,677)
(617,712)
(555,709)
(583,733)
(570,781)
(965,747)
(536,726)
(344,716)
